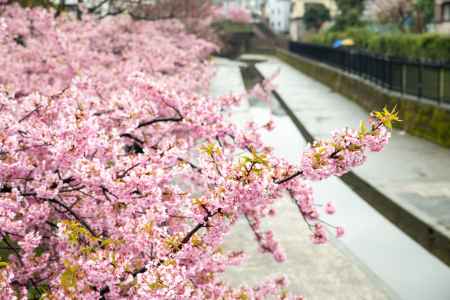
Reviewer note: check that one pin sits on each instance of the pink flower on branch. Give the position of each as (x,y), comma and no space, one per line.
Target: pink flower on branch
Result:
(339,231)
(329,208)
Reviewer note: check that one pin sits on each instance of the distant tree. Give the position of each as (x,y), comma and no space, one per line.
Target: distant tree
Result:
(350,12)
(315,15)
(30,3)
(405,14)
(347,5)
(426,7)
(391,12)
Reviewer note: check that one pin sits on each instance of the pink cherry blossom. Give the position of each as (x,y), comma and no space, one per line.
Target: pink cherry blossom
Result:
(339,231)
(236,13)
(319,235)
(329,208)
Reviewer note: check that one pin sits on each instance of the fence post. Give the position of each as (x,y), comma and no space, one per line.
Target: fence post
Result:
(419,79)
(389,73)
(441,84)
(403,78)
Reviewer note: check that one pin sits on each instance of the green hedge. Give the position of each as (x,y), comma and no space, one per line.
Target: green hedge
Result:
(231,27)
(407,45)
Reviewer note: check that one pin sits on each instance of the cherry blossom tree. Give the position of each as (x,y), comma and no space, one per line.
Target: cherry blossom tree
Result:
(237,14)
(388,11)
(120,176)
(420,12)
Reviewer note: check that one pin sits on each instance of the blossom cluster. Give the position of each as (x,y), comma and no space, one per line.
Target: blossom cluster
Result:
(236,13)
(42,54)
(120,176)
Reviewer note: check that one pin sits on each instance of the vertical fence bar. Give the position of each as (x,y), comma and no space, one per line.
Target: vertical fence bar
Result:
(441,85)
(419,79)
(438,85)
(388,73)
(403,78)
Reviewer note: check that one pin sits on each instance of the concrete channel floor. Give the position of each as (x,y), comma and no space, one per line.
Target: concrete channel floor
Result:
(322,272)
(414,172)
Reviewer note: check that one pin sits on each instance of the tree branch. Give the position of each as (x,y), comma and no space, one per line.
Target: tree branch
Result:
(159,119)
(71,212)
(177,118)
(281,181)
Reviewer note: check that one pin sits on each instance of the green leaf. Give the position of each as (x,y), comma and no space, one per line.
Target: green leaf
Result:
(69,277)
(39,293)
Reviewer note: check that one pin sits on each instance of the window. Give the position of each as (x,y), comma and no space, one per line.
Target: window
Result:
(446,12)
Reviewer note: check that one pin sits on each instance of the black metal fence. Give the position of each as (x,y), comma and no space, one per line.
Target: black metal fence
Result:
(430,80)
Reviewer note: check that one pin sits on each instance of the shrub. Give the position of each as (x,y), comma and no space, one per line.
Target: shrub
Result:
(429,46)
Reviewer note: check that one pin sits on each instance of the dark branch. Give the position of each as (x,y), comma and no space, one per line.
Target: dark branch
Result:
(159,120)
(125,173)
(199,226)
(198,169)
(29,114)
(281,181)
(94,8)
(177,118)
(132,137)
(71,212)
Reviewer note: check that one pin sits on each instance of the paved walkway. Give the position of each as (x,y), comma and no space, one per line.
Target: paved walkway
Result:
(326,272)
(413,172)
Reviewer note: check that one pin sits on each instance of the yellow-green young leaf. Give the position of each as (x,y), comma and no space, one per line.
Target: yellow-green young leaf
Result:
(210,149)
(158,284)
(243,296)
(3,264)
(44,296)
(387,117)
(173,242)
(362,128)
(74,230)
(69,277)
(246,159)
(110,164)
(113,259)
(107,242)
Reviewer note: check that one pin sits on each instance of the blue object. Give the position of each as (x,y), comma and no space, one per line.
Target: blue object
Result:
(337,44)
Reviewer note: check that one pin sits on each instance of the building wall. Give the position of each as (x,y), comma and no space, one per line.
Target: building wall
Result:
(442,16)
(294,30)
(277,13)
(297,29)
(443,27)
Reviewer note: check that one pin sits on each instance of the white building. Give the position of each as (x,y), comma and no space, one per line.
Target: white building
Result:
(277,13)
